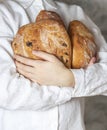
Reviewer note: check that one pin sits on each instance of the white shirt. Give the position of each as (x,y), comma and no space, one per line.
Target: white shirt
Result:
(27,106)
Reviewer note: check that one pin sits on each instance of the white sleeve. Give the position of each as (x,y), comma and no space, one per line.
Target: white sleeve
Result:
(17,92)
(93,80)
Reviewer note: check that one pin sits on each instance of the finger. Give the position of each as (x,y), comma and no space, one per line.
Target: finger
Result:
(45,56)
(24,67)
(33,80)
(24,60)
(25,74)
(92,61)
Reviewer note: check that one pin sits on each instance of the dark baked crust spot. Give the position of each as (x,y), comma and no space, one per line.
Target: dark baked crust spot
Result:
(64,44)
(29,44)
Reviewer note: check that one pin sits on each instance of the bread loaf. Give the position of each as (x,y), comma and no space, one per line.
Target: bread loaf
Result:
(83,44)
(44,14)
(47,35)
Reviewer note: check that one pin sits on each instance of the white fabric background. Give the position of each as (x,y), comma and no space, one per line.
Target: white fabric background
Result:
(96,107)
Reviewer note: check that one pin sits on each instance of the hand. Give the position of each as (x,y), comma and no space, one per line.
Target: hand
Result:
(49,71)
(92,61)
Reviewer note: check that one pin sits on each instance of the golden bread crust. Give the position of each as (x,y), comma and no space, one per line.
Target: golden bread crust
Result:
(83,44)
(48,36)
(44,15)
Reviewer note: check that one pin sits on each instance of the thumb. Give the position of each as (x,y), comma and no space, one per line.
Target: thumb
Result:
(44,55)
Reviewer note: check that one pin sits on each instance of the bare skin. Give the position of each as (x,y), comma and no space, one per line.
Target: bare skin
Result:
(51,71)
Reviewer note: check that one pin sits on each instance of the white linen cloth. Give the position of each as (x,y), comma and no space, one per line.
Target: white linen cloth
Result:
(27,106)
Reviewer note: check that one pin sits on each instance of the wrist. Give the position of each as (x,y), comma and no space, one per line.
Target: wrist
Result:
(68,79)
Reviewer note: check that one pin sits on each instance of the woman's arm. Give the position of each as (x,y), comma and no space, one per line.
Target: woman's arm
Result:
(16,91)
(49,71)
(91,80)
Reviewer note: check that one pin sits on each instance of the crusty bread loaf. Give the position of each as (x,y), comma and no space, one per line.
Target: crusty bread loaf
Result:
(46,35)
(83,44)
(44,14)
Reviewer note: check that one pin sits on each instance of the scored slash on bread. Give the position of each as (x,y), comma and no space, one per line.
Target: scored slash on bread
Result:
(74,48)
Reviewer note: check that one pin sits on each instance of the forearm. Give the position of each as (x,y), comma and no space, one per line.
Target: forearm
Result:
(68,79)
